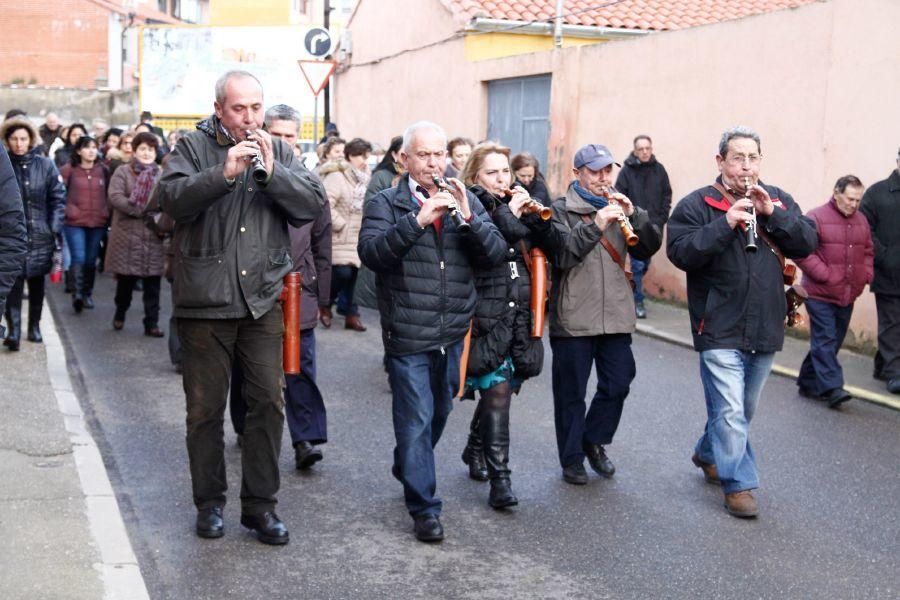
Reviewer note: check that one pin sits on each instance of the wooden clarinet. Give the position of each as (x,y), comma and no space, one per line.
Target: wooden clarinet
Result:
(628,233)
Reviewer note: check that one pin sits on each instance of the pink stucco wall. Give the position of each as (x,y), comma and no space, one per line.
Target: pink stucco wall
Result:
(819,84)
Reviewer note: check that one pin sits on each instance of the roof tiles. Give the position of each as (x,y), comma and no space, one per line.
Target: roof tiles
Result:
(653,15)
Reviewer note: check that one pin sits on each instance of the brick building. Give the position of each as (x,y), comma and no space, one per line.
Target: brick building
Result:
(78,43)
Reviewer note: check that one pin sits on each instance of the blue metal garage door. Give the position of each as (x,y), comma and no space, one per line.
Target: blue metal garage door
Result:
(519,114)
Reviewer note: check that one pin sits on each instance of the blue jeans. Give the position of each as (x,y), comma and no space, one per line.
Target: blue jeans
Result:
(821,372)
(343,283)
(732,382)
(423,387)
(638,268)
(84,244)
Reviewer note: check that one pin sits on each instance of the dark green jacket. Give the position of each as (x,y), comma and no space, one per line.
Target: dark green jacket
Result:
(232,247)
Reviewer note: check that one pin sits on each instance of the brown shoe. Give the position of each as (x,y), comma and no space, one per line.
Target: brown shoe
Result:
(741,504)
(325,316)
(710,474)
(353,322)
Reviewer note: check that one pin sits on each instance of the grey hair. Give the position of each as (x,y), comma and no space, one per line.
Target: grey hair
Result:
(738,132)
(418,126)
(282,112)
(223,81)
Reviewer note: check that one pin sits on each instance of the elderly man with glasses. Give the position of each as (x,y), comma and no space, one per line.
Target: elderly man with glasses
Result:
(736,302)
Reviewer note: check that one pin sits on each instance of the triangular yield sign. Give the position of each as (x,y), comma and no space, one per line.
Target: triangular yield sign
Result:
(317,73)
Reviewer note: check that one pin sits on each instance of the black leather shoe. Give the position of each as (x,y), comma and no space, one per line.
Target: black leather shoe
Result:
(598,460)
(808,393)
(639,311)
(268,527)
(89,302)
(395,471)
(501,494)
(893,385)
(477,467)
(306,455)
(575,474)
(34,333)
(428,528)
(210,523)
(836,397)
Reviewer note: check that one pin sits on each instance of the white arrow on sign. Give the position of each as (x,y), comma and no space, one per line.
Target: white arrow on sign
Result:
(317,73)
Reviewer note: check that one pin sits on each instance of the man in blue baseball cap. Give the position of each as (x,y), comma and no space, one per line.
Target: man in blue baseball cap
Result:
(592,310)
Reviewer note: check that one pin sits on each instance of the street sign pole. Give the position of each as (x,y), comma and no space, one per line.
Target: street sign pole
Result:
(317,74)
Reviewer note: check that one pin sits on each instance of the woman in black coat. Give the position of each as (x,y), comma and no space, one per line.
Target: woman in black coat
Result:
(75,132)
(527,172)
(502,353)
(43,200)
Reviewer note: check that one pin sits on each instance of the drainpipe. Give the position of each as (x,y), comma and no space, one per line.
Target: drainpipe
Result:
(125,29)
(557,28)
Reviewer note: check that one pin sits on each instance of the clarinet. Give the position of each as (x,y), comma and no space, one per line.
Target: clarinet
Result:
(455,213)
(751,225)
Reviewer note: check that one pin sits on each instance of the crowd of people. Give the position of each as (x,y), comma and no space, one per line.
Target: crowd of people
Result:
(458,240)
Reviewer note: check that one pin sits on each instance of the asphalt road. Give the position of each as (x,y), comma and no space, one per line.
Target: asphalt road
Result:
(830,496)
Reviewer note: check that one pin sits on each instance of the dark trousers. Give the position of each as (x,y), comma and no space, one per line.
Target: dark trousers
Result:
(821,371)
(303,401)
(124,289)
(35,297)
(343,284)
(423,386)
(572,361)
(887,359)
(210,347)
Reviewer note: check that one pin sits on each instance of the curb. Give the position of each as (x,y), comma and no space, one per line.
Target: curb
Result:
(857,392)
(118,567)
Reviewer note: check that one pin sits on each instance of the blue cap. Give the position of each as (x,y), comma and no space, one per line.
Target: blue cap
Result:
(595,157)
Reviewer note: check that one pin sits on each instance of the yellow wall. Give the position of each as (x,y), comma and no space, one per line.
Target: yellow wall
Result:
(484,46)
(249,12)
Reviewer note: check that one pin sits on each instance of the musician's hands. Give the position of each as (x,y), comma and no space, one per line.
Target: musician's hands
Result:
(459,194)
(264,141)
(433,209)
(608,214)
(238,157)
(624,201)
(738,213)
(761,200)
(518,201)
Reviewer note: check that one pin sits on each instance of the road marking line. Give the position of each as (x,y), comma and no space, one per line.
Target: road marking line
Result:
(118,568)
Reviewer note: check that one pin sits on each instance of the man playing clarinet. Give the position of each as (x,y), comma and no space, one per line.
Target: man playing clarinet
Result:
(734,261)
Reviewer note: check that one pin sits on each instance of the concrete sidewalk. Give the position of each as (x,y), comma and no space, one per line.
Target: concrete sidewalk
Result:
(671,323)
(61,532)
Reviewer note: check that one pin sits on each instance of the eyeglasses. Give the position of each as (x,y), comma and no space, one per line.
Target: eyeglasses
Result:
(423,156)
(740,159)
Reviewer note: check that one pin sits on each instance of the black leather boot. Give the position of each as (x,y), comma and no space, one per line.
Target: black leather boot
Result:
(78,282)
(473,453)
(495,434)
(14,324)
(69,280)
(90,274)
(35,308)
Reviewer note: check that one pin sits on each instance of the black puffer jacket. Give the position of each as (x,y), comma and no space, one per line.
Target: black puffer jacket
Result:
(13,236)
(502,321)
(881,206)
(44,199)
(736,298)
(424,281)
(647,185)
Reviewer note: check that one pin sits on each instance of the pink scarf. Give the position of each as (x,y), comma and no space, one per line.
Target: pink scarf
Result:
(146,177)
